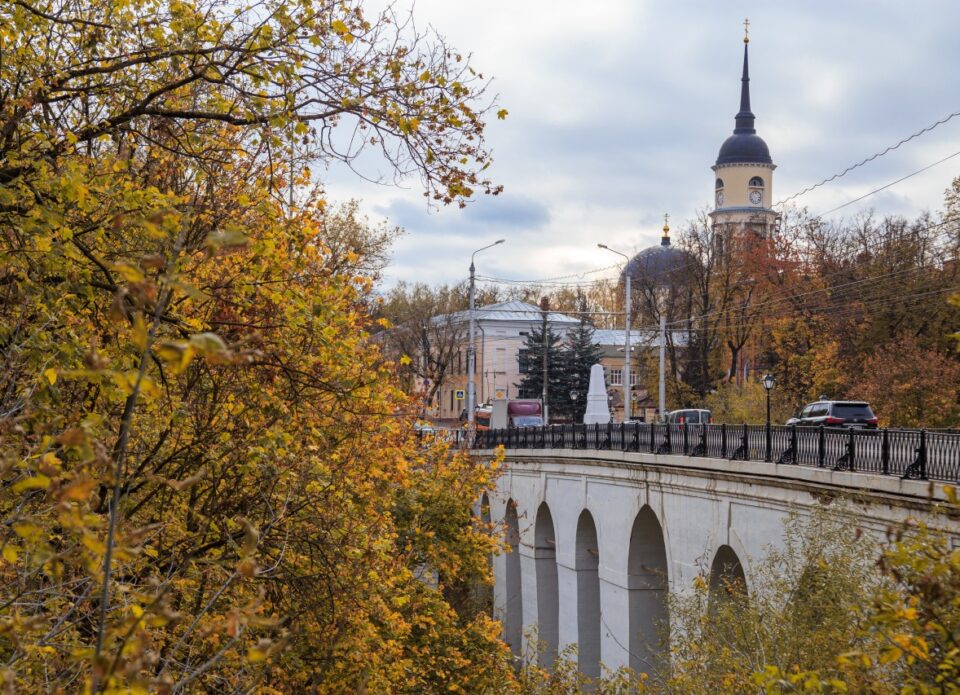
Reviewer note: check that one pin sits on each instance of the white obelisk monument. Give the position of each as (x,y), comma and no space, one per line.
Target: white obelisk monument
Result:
(598,412)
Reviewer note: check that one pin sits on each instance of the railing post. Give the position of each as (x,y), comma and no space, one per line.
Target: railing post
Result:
(609,442)
(852,450)
(623,436)
(794,443)
(885,452)
(703,439)
(821,447)
(745,443)
(653,437)
(723,440)
(686,443)
(923,454)
(769,444)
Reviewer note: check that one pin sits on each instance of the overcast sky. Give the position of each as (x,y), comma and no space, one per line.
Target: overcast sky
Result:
(618,108)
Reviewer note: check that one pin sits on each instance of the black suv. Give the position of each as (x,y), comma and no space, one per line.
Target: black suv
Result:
(836,414)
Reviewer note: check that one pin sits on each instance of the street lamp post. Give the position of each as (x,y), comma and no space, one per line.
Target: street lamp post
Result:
(663,360)
(471,349)
(626,342)
(768,383)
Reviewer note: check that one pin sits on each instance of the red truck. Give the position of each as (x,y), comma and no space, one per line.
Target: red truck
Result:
(519,412)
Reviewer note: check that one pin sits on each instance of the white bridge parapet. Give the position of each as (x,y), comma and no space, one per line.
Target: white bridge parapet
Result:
(601,537)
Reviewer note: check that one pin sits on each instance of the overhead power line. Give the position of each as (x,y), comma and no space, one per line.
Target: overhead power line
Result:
(544,281)
(872,157)
(855,309)
(892,183)
(787,295)
(555,281)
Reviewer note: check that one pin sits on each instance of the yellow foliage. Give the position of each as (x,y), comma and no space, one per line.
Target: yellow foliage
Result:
(217,441)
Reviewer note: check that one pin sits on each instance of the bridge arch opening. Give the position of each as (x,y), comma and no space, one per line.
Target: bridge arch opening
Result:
(587,566)
(548,596)
(513,600)
(647,586)
(482,591)
(727,578)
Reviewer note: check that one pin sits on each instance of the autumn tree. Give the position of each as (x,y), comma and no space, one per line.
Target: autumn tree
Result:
(802,611)
(710,274)
(911,386)
(426,333)
(207,471)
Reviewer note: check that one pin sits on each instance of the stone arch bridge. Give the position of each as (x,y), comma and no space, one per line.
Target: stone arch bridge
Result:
(599,539)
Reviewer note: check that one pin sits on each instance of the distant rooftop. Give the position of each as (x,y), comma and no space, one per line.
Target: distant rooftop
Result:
(514,310)
(612,338)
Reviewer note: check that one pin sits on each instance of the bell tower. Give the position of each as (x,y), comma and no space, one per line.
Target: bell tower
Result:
(743,186)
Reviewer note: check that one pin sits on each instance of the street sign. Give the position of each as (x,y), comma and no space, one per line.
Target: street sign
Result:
(459,394)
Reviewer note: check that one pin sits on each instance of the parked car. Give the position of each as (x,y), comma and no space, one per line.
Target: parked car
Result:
(689,416)
(836,414)
(422,427)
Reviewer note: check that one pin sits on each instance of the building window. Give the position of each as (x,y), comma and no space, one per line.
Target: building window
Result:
(756,182)
(633,378)
(616,377)
(719,184)
(523,361)
(452,393)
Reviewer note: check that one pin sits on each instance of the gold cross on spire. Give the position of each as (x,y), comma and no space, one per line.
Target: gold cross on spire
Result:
(666,223)
(746,31)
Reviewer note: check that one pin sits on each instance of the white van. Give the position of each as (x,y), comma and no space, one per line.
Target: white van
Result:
(690,416)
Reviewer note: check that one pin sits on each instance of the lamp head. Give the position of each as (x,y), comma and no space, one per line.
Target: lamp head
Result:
(768,381)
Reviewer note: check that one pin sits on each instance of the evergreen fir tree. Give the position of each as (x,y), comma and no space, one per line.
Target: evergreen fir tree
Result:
(582,353)
(531,385)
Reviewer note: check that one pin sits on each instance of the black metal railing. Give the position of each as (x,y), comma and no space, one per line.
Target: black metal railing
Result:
(917,454)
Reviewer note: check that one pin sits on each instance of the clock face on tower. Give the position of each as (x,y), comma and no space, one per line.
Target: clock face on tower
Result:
(756,197)
(719,198)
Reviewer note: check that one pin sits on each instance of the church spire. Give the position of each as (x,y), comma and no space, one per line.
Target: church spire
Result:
(744,146)
(745,119)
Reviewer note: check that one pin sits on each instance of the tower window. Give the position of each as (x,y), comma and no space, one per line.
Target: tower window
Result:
(757,182)
(719,184)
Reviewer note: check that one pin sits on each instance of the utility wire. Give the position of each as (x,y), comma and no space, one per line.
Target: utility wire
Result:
(543,281)
(786,295)
(855,307)
(877,155)
(872,157)
(892,183)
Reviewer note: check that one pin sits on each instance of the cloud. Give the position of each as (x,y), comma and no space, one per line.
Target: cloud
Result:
(504,212)
(617,114)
